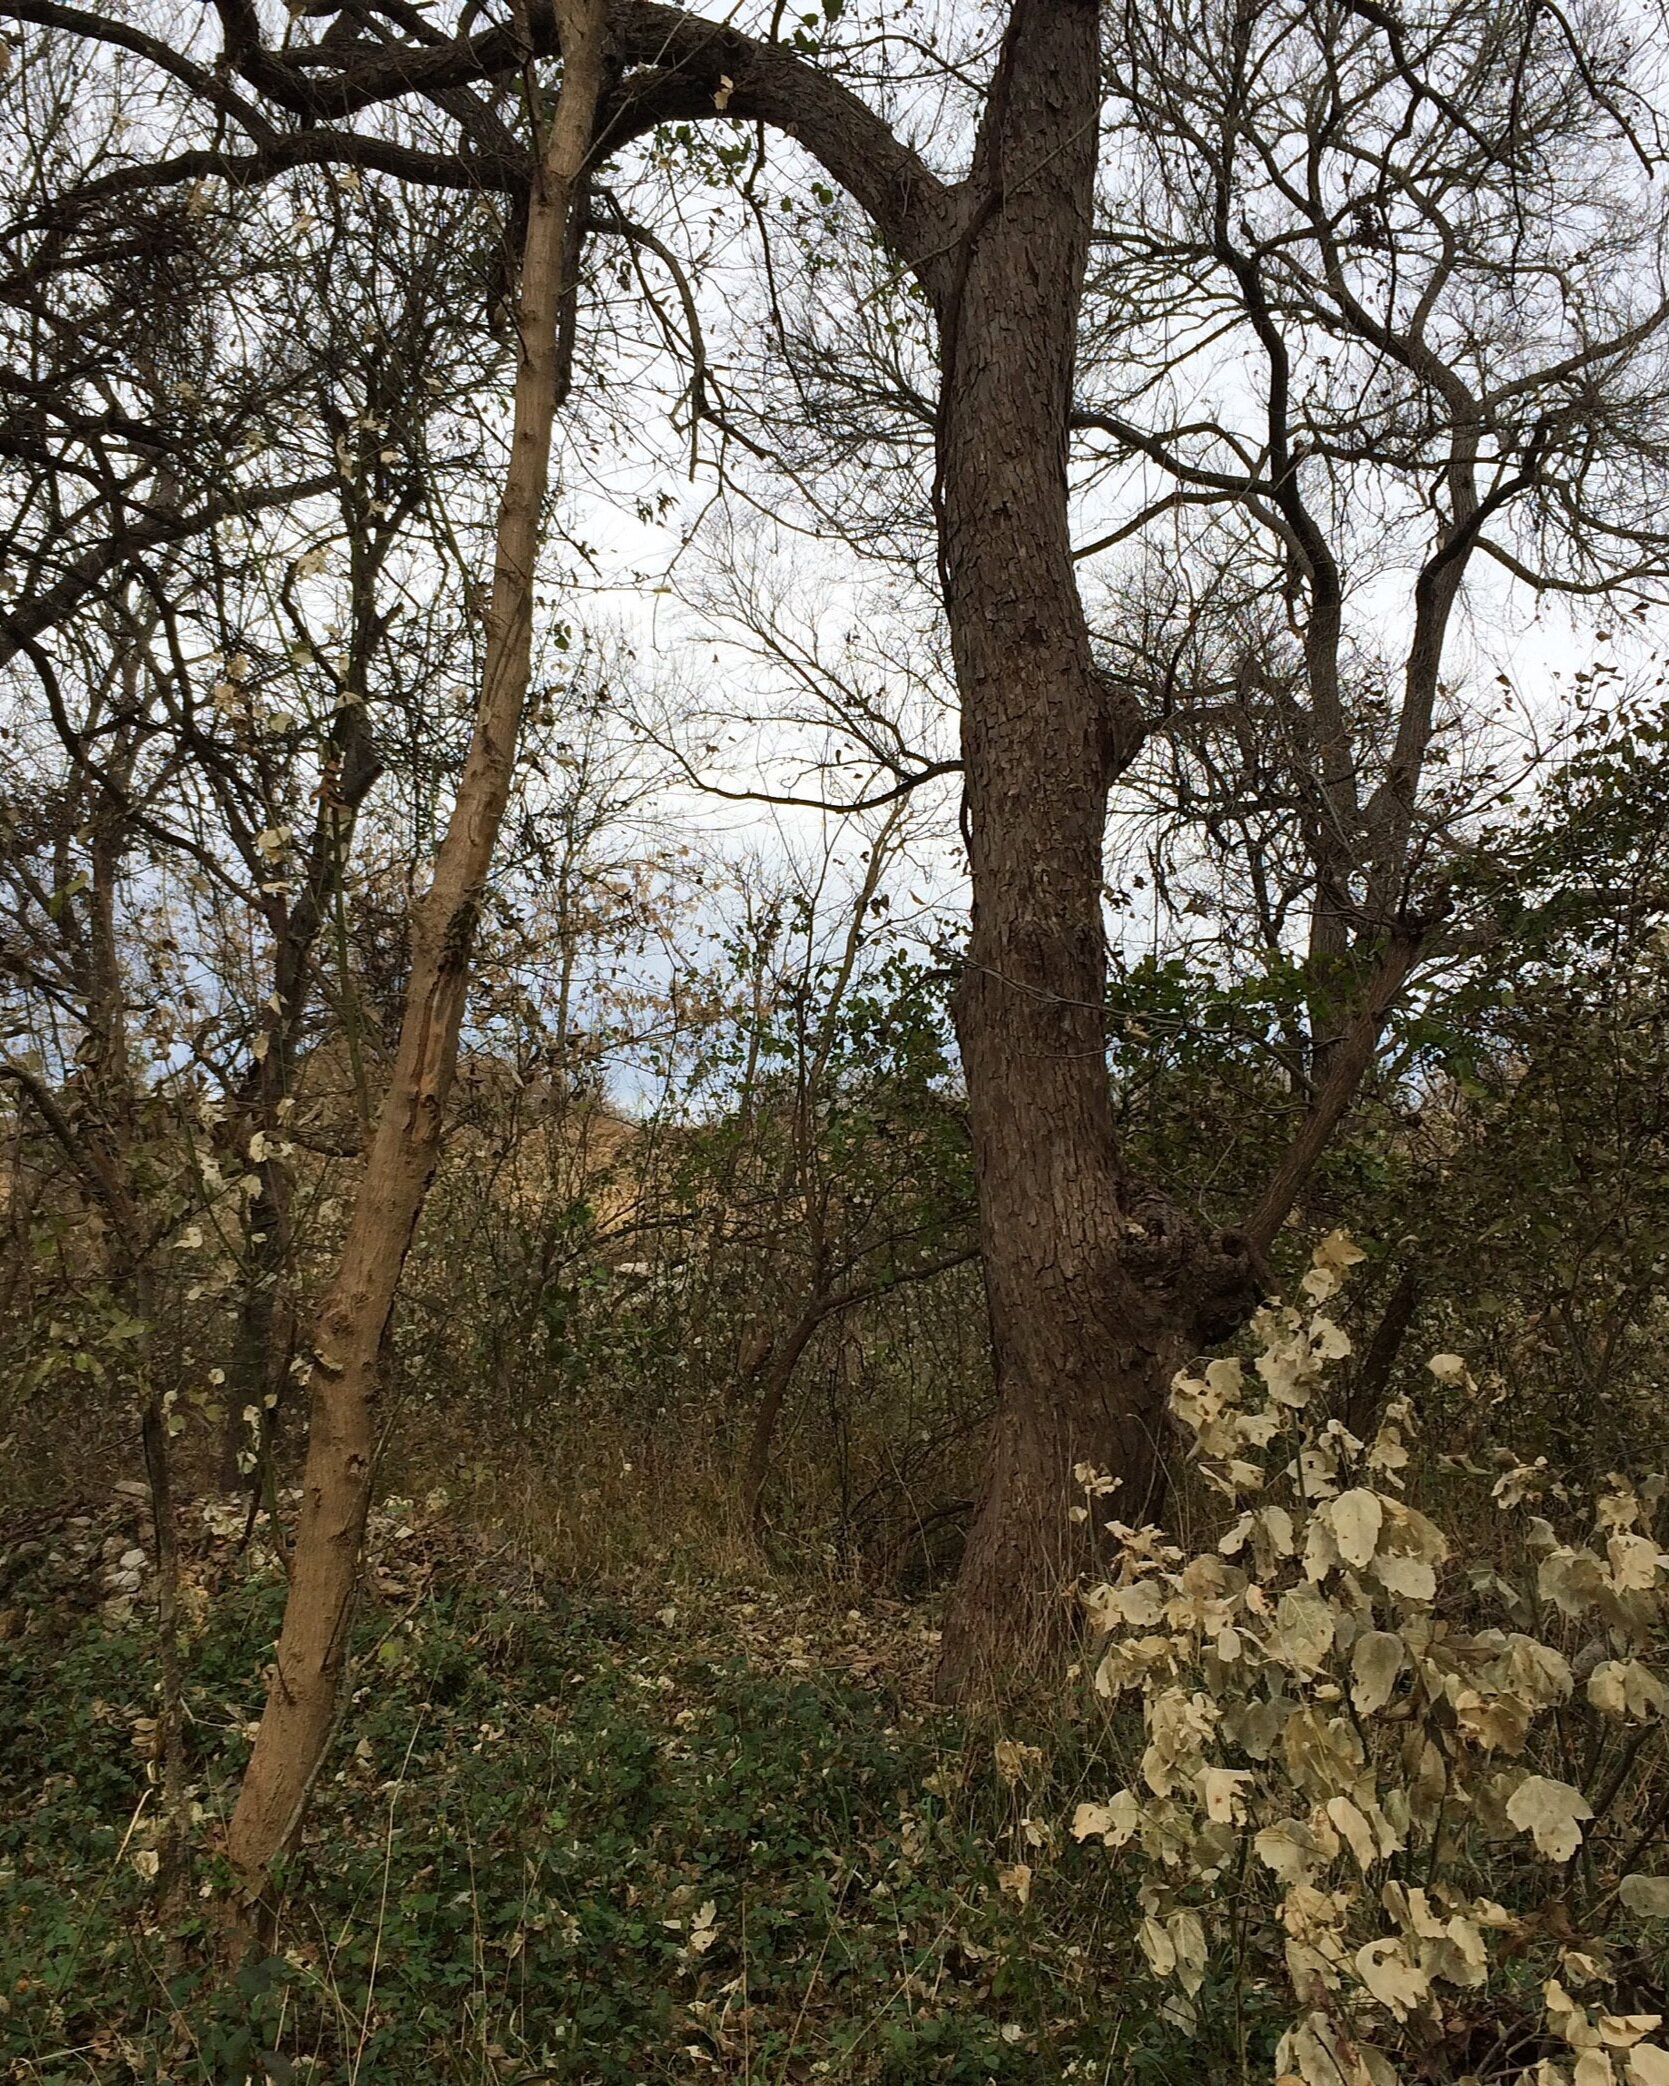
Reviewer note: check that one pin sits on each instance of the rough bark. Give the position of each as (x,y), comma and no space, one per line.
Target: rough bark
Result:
(1097,1291)
(1094,1293)
(348,1336)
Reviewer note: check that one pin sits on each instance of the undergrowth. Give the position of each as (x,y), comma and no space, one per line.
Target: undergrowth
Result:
(682,1832)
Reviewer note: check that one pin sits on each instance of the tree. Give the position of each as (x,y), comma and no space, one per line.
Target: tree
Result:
(352,1321)
(1518,1175)
(63,948)
(1308,191)
(830,1172)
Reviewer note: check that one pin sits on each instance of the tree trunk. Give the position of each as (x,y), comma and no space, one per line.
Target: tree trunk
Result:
(262,1342)
(173,1849)
(110,1125)
(265,1337)
(1365,1397)
(1095,1293)
(1351,1053)
(348,1337)
(779,1374)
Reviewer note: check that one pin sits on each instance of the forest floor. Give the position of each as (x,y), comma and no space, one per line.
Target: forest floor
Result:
(671,1829)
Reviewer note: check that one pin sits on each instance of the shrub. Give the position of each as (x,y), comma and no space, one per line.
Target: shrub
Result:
(1398,1792)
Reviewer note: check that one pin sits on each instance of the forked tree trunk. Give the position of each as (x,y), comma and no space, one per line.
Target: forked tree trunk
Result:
(776,1367)
(348,1336)
(1095,1292)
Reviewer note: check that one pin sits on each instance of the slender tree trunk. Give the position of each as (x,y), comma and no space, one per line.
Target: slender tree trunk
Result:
(348,1337)
(260,1351)
(773,1392)
(778,1364)
(1352,1054)
(168,1749)
(1366,1395)
(265,1335)
(1095,1292)
(112,1126)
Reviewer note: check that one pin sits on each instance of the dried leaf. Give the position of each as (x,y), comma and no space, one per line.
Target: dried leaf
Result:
(1357,1834)
(1633,1563)
(1014,1760)
(1115,1822)
(1647,2064)
(1356,1518)
(1221,1787)
(1623,2031)
(1549,1811)
(1375,1661)
(1303,1633)
(1187,1936)
(1289,1848)
(1015,1881)
(1392,1979)
(1157,1946)
(1625,1688)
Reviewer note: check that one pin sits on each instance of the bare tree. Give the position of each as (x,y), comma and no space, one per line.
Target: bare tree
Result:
(1411,320)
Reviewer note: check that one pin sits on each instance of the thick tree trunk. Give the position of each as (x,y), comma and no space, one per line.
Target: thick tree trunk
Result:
(348,1338)
(1095,1295)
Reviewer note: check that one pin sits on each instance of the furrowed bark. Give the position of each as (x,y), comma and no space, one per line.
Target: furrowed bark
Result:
(348,1336)
(1097,1291)
(1030,1009)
